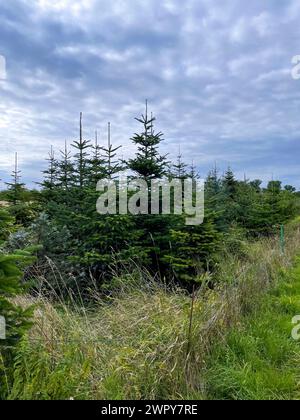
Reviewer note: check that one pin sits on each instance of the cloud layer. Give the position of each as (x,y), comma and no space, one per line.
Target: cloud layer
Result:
(217,75)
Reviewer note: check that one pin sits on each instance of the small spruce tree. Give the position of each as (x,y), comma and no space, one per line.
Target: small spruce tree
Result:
(180,168)
(16,188)
(16,320)
(65,169)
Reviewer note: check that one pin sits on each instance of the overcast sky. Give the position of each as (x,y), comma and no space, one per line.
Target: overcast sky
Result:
(217,74)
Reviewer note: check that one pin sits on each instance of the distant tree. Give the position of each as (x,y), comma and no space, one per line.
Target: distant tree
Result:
(256,184)
(193,174)
(274,187)
(214,198)
(229,184)
(50,181)
(21,208)
(65,169)
(212,185)
(180,168)
(290,188)
(16,188)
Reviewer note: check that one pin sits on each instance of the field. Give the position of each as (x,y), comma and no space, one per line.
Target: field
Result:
(145,342)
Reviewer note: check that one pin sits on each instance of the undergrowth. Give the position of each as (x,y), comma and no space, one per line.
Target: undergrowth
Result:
(139,344)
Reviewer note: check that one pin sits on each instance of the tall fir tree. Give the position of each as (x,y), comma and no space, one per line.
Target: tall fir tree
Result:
(148,163)
(81,168)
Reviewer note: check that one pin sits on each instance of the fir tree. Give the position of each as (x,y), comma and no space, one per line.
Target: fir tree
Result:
(256,184)
(16,188)
(97,163)
(290,188)
(51,173)
(112,166)
(193,174)
(148,162)
(193,250)
(65,169)
(180,168)
(6,225)
(81,168)
(17,320)
(212,184)
(229,184)
(21,207)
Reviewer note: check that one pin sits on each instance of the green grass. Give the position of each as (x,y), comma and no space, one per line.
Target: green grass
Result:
(260,360)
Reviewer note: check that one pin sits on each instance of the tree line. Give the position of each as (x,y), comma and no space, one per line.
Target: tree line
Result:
(61,217)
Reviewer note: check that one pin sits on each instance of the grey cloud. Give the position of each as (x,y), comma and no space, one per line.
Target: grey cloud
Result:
(217,74)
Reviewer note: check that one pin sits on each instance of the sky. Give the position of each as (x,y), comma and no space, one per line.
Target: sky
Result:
(217,74)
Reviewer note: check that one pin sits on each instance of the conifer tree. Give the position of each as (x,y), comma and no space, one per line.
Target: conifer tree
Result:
(112,165)
(212,184)
(16,188)
(65,169)
(214,199)
(279,204)
(81,168)
(148,162)
(256,184)
(6,225)
(229,184)
(180,168)
(16,320)
(227,200)
(290,188)
(193,174)
(193,250)
(21,208)
(97,162)
(51,173)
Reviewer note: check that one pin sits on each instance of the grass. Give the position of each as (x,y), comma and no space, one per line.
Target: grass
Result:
(260,360)
(133,348)
(140,343)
